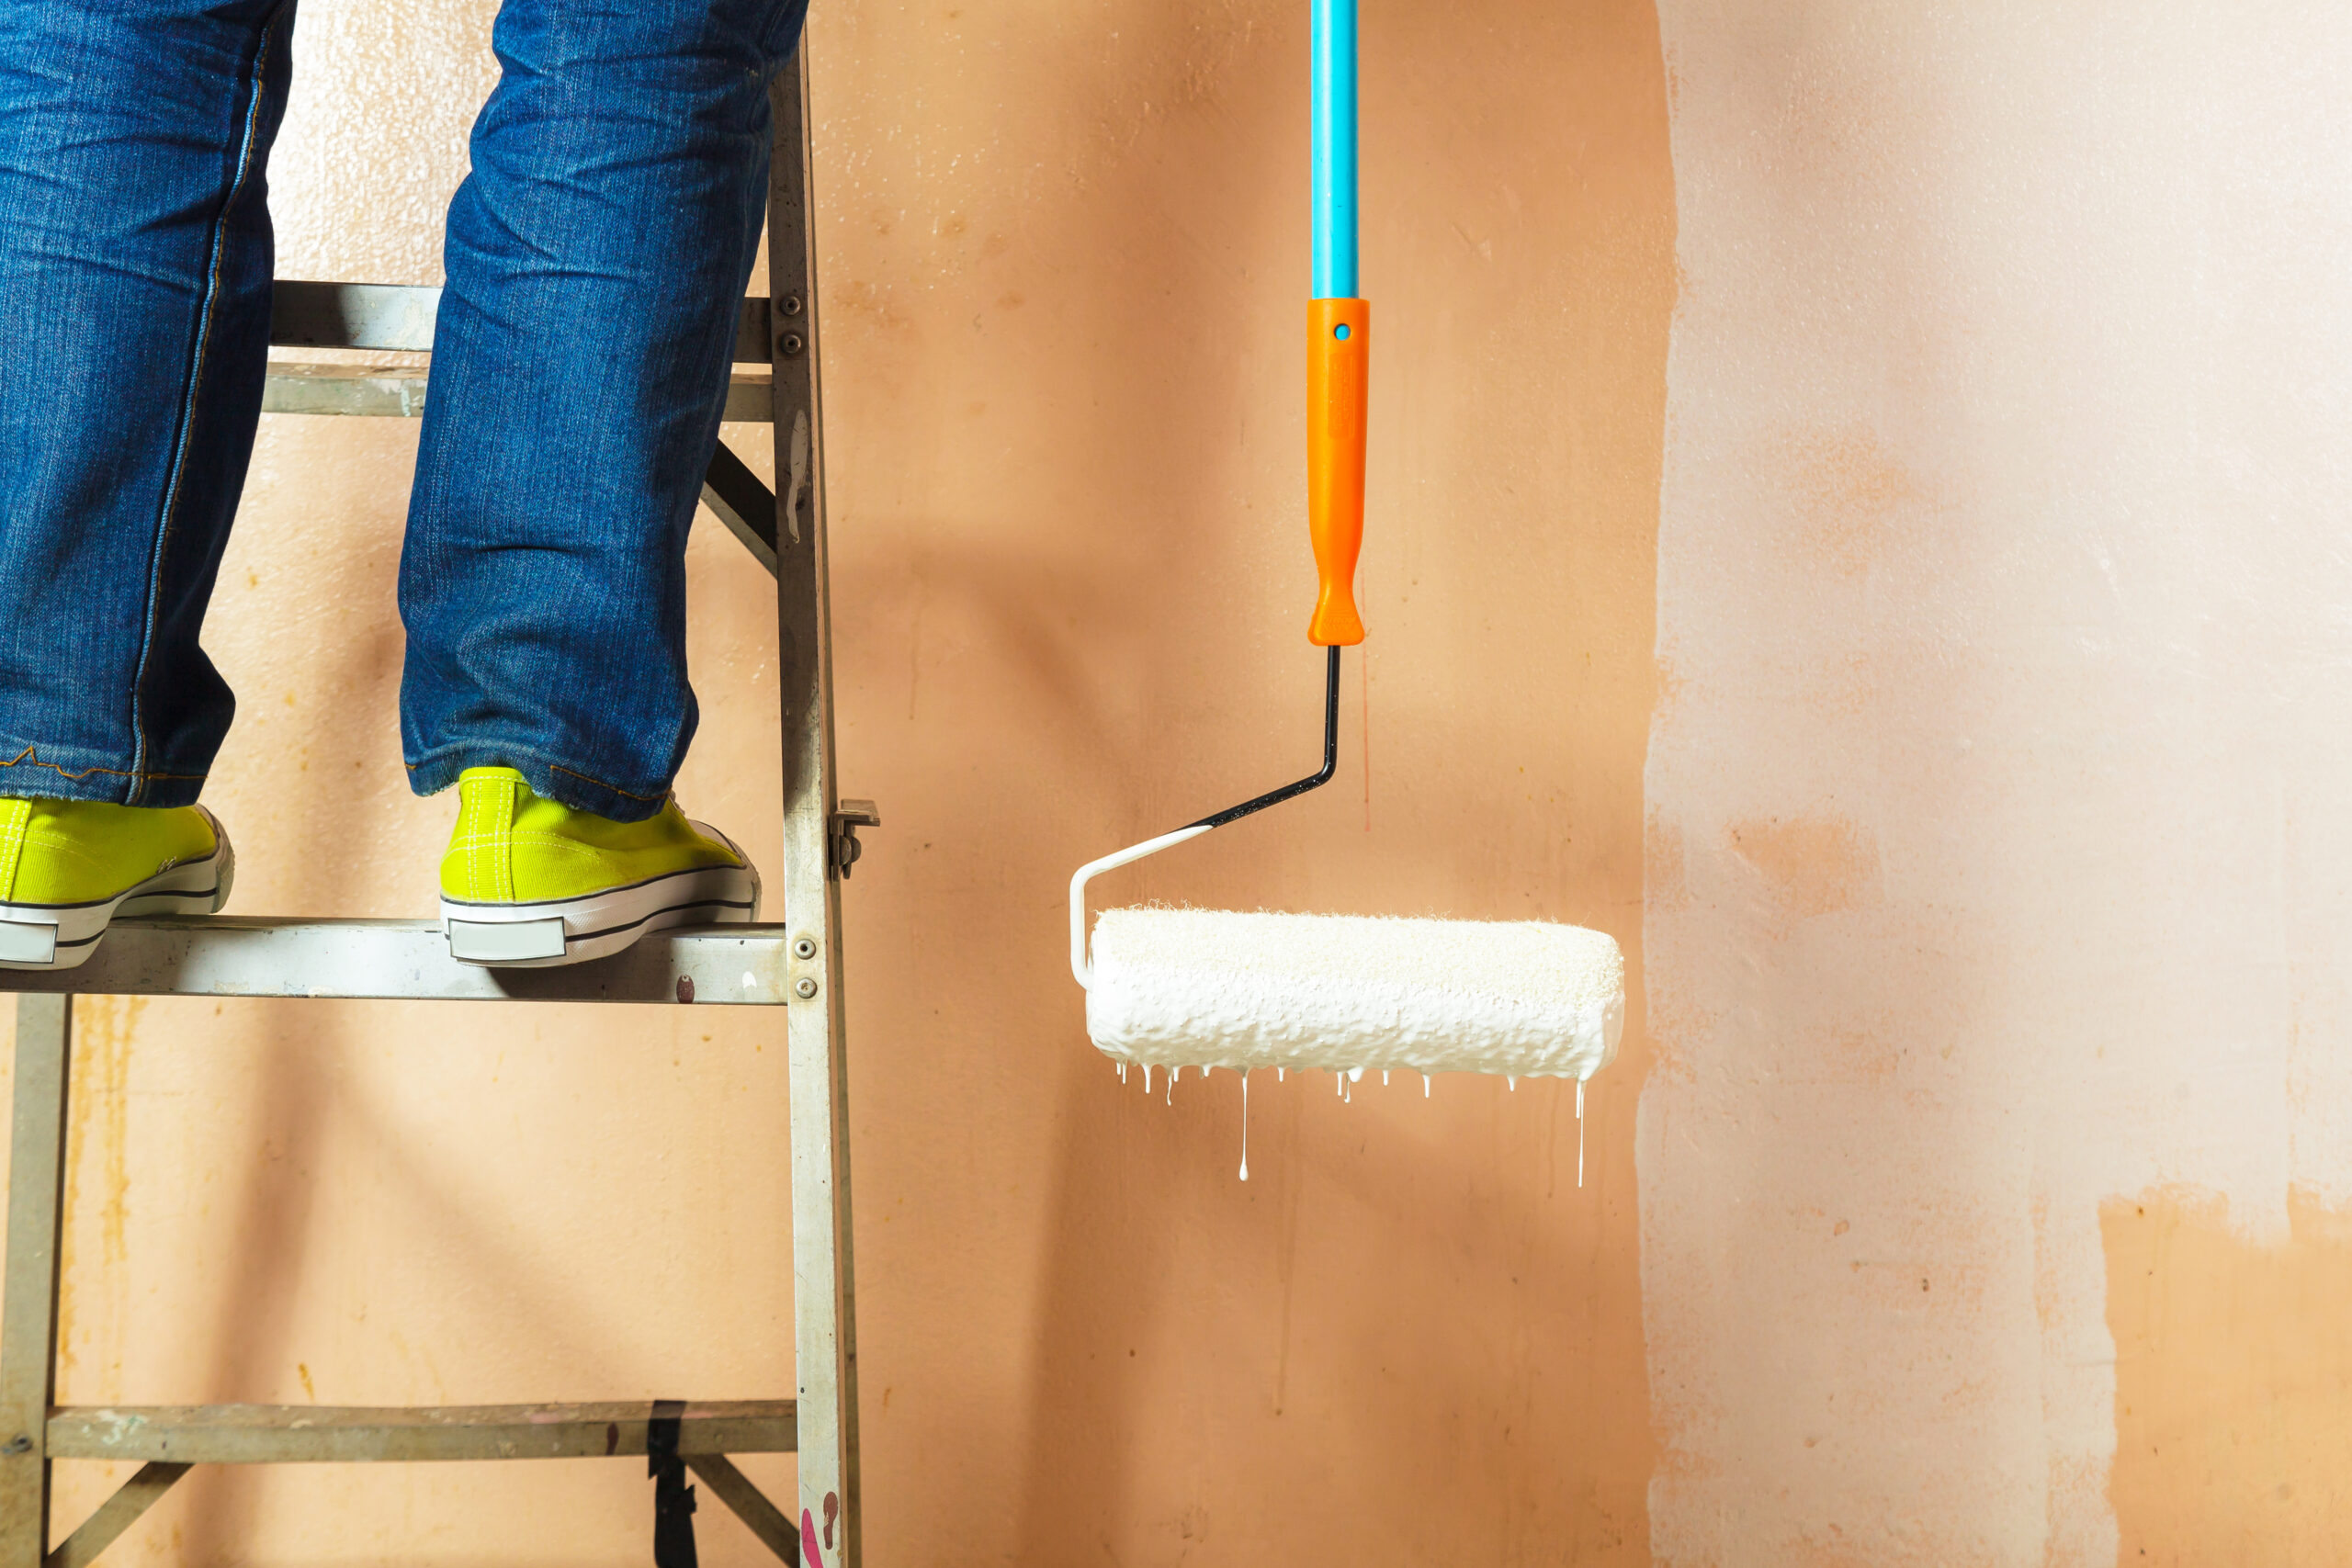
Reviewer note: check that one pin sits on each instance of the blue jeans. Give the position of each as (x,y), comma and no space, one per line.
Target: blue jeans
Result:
(594,259)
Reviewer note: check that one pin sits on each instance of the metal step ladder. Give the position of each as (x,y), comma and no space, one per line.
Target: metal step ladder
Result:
(796,965)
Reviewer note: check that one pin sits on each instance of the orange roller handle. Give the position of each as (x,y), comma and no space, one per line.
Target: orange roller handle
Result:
(1338,361)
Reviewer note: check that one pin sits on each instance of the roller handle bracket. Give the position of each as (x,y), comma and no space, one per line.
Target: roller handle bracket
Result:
(1081,964)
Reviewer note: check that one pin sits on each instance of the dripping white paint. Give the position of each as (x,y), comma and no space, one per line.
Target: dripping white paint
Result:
(1342,1082)
(1245,1133)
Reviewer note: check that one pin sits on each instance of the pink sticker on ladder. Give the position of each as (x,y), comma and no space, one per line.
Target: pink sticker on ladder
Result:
(810,1556)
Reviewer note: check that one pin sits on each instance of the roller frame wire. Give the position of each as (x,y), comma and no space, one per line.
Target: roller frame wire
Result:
(1079,965)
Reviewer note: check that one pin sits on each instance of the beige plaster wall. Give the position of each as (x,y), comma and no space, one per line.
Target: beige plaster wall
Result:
(1958,418)
(1064,252)
(1994,1165)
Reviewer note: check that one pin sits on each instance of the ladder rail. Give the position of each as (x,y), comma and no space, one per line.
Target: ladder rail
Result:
(28,1309)
(814,863)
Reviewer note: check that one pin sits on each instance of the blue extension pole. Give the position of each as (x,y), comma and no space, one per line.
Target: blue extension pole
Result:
(1334,47)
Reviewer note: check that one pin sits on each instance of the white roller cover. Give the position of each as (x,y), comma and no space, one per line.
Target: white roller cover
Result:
(1208,987)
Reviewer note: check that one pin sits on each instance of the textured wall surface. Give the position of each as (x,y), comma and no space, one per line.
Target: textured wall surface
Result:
(1993,1165)
(1065,253)
(1883,564)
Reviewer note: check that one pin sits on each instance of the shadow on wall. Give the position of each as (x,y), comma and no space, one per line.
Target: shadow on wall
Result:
(1073,575)
(329,751)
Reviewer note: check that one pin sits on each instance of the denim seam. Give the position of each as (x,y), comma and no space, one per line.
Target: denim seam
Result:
(29,758)
(544,761)
(256,90)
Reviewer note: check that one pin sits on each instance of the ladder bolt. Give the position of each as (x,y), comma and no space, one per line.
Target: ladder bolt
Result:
(805,988)
(789,345)
(803,948)
(19,1444)
(792,304)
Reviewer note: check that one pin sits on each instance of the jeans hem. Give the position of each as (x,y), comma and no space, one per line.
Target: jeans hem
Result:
(26,773)
(546,777)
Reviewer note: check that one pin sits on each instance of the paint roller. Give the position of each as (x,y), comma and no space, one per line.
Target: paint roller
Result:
(1177,987)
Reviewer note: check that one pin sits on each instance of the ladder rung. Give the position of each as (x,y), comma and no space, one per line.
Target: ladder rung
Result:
(352,315)
(320,1434)
(305,314)
(231,955)
(298,385)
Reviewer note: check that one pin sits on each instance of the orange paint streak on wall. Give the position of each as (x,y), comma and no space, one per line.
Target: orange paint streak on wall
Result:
(2233,1368)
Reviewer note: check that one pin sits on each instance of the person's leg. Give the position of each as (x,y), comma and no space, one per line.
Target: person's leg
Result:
(596,256)
(135,260)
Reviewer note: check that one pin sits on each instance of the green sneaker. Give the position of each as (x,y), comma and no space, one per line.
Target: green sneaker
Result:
(530,884)
(68,867)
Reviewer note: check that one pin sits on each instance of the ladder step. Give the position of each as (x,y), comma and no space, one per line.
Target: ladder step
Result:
(402,315)
(234,956)
(298,385)
(320,1434)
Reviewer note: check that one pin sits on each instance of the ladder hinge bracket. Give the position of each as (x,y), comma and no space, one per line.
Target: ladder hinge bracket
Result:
(848,818)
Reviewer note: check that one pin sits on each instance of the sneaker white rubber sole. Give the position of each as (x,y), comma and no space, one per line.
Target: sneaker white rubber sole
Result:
(63,936)
(574,931)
